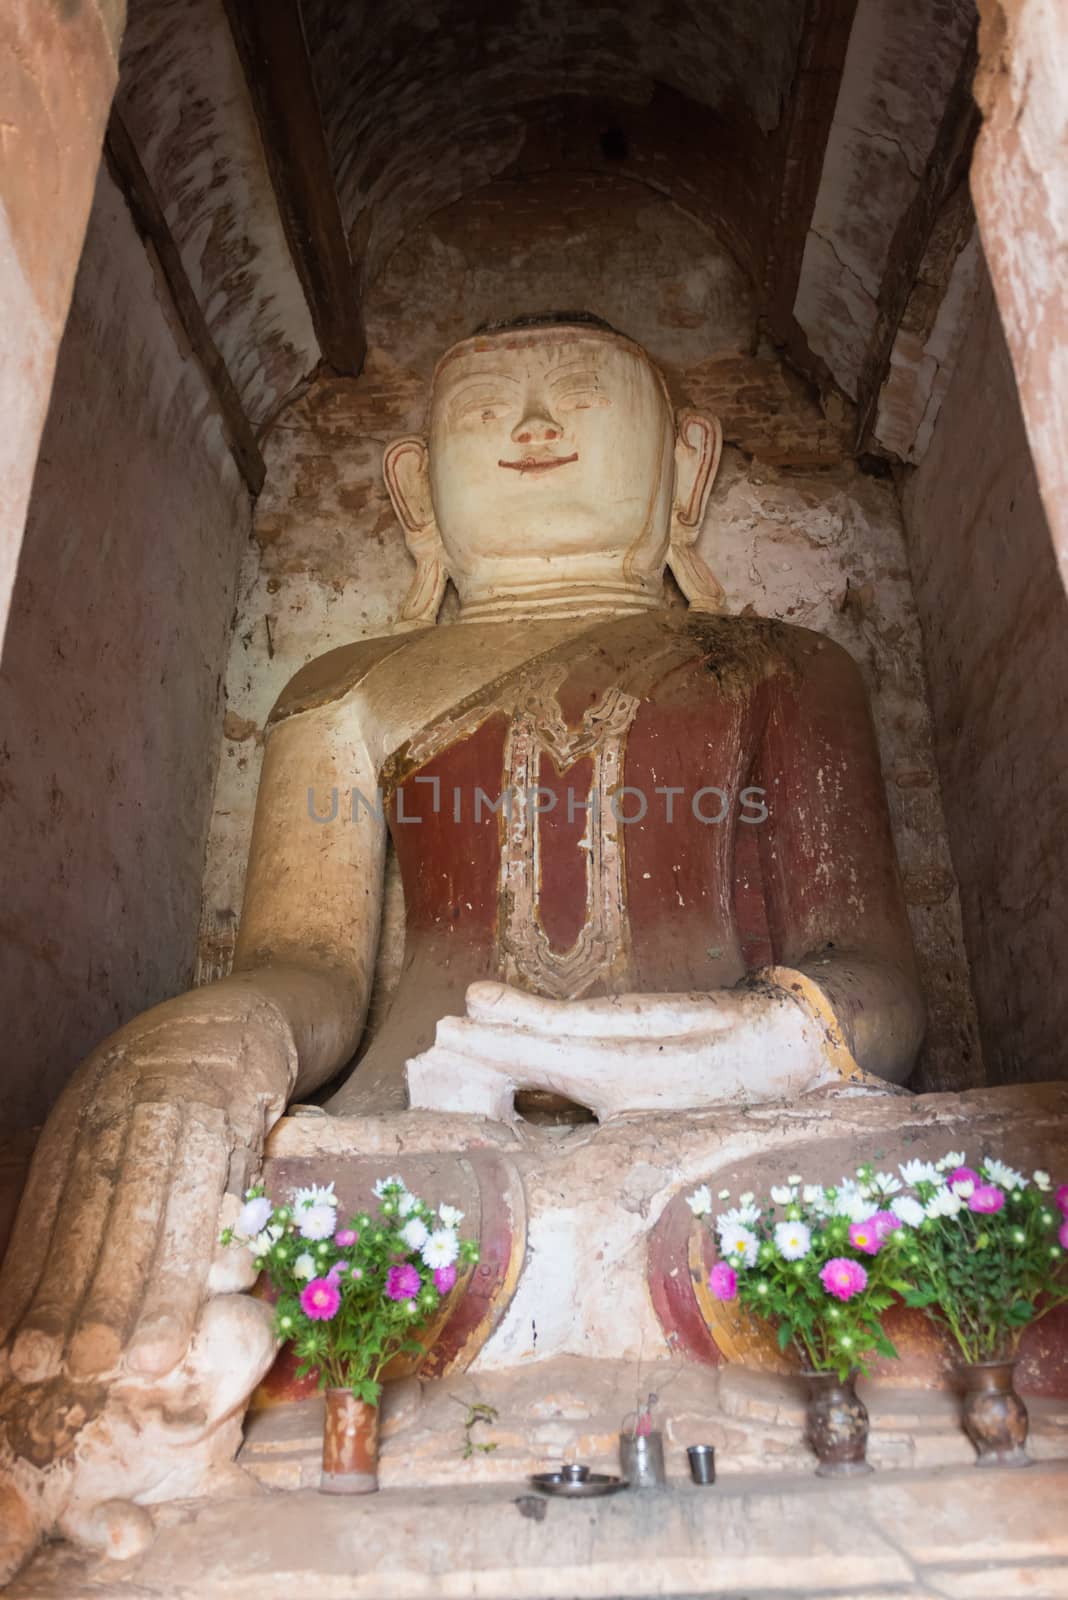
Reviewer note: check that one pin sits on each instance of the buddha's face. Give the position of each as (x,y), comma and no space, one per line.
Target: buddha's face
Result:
(549,443)
(554,466)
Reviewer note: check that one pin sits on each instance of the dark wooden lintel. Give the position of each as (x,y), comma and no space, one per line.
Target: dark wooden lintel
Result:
(946,168)
(147,213)
(803,135)
(269,35)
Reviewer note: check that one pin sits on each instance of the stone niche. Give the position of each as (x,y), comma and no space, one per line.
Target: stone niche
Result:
(794,529)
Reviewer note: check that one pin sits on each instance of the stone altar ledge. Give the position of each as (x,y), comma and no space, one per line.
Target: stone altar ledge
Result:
(909,1536)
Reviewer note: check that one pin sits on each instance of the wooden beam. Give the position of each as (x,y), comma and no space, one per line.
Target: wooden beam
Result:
(269,35)
(946,167)
(804,131)
(131,177)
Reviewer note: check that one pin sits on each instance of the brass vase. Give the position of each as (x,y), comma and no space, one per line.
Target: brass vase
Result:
(994,1416)
(836,1425)
(350,1445)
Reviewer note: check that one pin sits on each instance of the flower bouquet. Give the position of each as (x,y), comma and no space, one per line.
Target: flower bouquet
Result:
(987,1259)
(823,1264)
(350,1297)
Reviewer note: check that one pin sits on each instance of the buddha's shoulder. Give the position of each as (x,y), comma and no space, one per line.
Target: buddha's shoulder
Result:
(332,676)
(748,638)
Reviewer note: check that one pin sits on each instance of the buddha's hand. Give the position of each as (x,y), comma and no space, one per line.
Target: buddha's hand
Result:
(624,1052)
(116,1300)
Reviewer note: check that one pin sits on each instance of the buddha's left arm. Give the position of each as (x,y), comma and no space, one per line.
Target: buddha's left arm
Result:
(838,927)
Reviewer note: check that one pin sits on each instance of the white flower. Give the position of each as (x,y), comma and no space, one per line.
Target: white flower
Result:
(260,1245)
(1042,1180)
(393,1182)
(304,1266)
(700,1202)
(406,1204)
(794,1178)
(738,1244)
(452,1217)
(724,1194)
(964,1187)
(792,1240)
(254,1217)
(747,1198)
(782,1195)
(812,1194)
(441,1248)
(415,1233)
(945,1204)
(954,1158)
(851,1202)
(886,1183)
(1005,1177)
(317,1222)
(907,1210)
(920,1172)
(314,1195)
(739,1216)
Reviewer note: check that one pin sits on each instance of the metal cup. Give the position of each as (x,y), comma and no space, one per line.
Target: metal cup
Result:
(641,1458)
(702,1463)
(574,1472)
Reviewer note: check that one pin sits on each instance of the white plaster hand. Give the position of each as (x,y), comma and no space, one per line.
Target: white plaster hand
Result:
(622,1053)
(111,1317)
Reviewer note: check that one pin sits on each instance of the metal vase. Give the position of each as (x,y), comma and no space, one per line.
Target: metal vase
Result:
(350,1445)
(836,1425)
(994,1416)
(641,1460)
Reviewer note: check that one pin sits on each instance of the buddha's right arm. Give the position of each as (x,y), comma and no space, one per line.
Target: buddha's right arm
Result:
(309,927)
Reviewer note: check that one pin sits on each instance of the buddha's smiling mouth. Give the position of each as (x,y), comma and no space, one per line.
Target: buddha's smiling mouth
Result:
(538,463)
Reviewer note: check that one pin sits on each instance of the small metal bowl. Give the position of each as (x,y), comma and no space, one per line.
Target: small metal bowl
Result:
(576,1482)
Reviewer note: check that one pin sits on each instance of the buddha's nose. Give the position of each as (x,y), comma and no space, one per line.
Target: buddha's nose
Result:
(536,426)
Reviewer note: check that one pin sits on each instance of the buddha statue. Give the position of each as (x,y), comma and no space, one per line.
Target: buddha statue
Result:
(646,865)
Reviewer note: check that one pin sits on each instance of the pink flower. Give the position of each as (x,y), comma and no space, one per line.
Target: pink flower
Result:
(884,1223)
(843,1278)
(444,1279)
(345,1236)
(402,1283)
(723,1281)
(986,1198)
(1062,1199)
(320,1299)
(866,1236)
(1062,1235)
(963,1175)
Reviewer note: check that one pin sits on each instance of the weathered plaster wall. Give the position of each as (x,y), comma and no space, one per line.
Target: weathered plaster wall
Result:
(57,76)
(110,681)
(995,622)
(792,530)
(1020,185)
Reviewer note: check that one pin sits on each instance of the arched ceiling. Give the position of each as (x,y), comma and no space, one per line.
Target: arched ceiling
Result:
(430,99)
(293,146)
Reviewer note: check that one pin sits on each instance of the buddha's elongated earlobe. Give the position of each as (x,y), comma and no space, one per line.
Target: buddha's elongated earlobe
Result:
(698,447)
(406,468)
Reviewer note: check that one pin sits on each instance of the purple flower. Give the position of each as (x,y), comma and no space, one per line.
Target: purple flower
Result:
(865,1236)
(345,1236)
(403,1282)
(723,1281)
(1062,1235)
(320,1299)
(987,1198)
(963,1175)
(1062,1199)
(843,1278)
(444,1278)
(884,1223)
